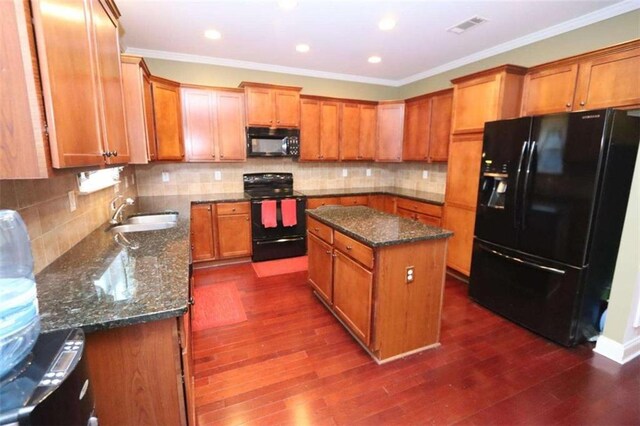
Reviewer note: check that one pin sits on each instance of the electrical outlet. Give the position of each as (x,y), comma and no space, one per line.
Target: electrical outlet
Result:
(126,182)
(425,174)
(72,201)
(345,172)
(409,277)
(217,175)
(368,172)
(165,176)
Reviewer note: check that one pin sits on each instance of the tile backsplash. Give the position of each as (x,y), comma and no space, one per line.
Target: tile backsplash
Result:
(44,207)
(200,178)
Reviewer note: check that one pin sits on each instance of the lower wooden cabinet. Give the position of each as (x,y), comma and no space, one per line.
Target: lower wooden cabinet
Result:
(355,200)
(460,220)
(313,203)
(220,231)
(429,214)
(321,267)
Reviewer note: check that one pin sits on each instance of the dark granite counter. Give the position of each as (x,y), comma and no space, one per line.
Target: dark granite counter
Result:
(99,284)
(374,228)
(427,197)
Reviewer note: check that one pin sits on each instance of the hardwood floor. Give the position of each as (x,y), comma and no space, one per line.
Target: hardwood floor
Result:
(292,363)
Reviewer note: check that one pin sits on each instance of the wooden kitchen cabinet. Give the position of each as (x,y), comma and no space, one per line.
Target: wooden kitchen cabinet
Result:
(213,124)
(186,350)
(461,221)
(355,200)
(384,203)
(427,125)
(604,78)
(203,232)
(489,95)
(319,130)
(429,214)
(320,267)
(313,203)
(272,106)
(168,119)
(138,104)
(358,131)
(234,229)
(390,131)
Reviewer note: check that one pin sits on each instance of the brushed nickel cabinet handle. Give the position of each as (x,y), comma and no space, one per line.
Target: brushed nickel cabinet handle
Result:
(328,251)
(582,103)
(568,105)
(349,247)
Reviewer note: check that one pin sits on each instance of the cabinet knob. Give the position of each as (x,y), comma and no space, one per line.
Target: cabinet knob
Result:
(278,121)
(192,247)
(583,103)
(233,209)
(221,155)
(246,218)
(334,255)
(192,301)
(568,105)
(106,154)
(328,251)
(349,247)
(115,153)
(316,229)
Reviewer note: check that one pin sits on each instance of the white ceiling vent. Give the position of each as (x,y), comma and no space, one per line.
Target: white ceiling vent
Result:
(469,23)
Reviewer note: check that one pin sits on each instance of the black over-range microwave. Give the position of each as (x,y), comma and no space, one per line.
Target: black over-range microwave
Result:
(267,142)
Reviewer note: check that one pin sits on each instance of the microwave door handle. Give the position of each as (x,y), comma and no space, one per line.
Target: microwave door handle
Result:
(523,151)
(525,190)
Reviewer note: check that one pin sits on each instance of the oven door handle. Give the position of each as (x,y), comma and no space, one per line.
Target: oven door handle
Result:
(281,240)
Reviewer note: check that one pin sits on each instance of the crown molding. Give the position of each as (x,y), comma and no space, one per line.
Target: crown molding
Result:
(579,22)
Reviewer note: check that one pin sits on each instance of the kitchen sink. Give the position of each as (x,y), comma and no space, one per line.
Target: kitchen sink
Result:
(153,218)
(147,222)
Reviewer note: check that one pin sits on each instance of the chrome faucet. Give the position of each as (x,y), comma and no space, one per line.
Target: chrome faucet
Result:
(117,215)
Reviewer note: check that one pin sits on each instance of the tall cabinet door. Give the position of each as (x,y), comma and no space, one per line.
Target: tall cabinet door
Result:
(329,130)
(168,120)
(309,129)
(287,108)
(230,131)
(440,127)
(198,124)
(390,131)
(350,132)
(68,80)
(110,75)
(259,106)
(368,125)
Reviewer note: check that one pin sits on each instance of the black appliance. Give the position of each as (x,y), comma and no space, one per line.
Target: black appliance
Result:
(267,142)
(281,241)
(51,386)
(551,206)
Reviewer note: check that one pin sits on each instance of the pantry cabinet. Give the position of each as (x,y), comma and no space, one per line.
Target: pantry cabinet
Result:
(604,78)
(357,131)
(427,126)
(390,131)
(319,130)
(168,119)
(213,124)
(220,231)
(272,106)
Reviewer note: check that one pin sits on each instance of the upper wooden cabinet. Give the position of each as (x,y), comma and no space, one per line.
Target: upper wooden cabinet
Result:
(357,131)
(427,126)
(168,119)
(605,78)
(319,129)
(272,106)
(213,124)
(138,103)
(489,95)
(390,131)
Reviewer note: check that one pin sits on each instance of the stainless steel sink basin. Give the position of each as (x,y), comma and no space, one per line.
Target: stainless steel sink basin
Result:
(153,218)
(147,222)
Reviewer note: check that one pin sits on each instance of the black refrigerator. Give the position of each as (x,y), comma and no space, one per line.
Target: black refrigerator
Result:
(551,205)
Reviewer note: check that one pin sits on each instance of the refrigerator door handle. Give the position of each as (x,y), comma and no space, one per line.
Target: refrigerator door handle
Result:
(524,262)
(515,193)
(525,191)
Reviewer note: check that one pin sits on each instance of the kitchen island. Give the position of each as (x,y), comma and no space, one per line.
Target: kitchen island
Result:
(381,275)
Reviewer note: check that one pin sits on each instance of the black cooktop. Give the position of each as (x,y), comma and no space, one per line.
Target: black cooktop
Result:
(265,193)
(269,185)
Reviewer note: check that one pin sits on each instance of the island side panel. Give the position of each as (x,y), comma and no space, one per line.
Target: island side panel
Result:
(408,314)
(136,374)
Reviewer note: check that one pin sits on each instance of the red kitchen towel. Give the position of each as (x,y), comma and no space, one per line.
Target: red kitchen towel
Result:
(269,214)
(289,216)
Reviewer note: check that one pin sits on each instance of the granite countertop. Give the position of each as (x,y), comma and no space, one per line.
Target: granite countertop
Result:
(99,284)
(427,197)
(375,228)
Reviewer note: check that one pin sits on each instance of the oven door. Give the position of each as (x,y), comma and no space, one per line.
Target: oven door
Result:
(260,233)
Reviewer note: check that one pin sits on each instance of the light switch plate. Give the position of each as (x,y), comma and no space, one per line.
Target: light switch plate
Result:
(165,176)
(217,175)
(369,172)
(72,201)
(345,172)
(425,174)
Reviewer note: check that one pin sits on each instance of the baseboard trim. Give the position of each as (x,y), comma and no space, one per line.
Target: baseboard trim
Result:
(618,352)
(458,275)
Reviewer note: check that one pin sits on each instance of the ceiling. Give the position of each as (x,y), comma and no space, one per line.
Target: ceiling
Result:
(343,34)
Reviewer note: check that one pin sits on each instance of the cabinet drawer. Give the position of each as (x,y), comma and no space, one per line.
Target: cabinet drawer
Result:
(320,229)
(418,207)
(356,200)
(354,249)
(233,208)
(313,203)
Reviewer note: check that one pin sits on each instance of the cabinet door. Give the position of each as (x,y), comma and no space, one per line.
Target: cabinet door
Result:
(320,267)
(352,292)
(390,124)
(368,129)
(107,48)
(376,202)
(329,130)
(461,221)
(168,120)
(550,90)
(259,106)
(230,132)
(202,232)
(440,127)
(234,235)
(609,81)
(198,124)
(475,102)
(463,177)
(310,130)
(428,220)
(287,108)
(407,214)
(68,82)
(134,110)
(350,132)
(417,118)
(148,117)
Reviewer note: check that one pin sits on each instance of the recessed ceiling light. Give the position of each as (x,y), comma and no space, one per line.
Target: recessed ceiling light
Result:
(213,34)
(302,48)
(287,4)
(387,24)
(374,59)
